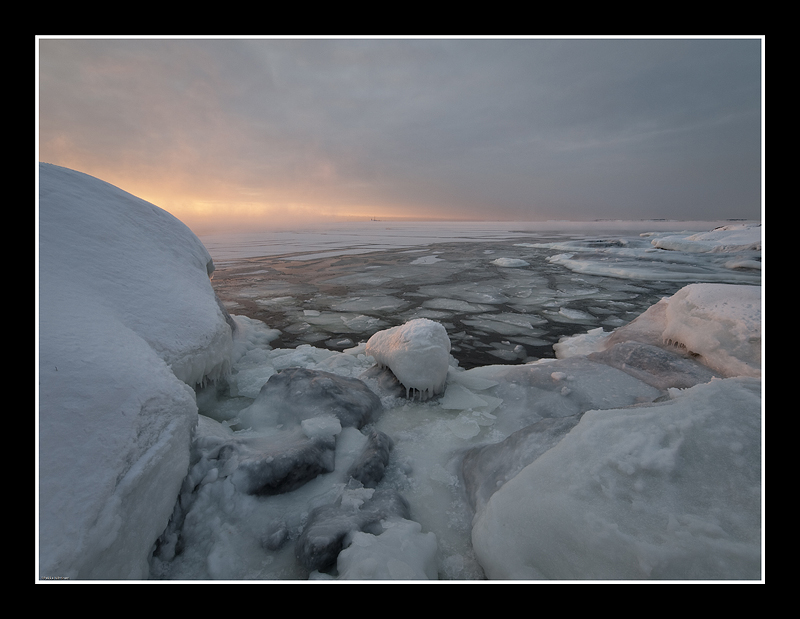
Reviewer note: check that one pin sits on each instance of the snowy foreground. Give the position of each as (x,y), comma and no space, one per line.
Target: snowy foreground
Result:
(176,443)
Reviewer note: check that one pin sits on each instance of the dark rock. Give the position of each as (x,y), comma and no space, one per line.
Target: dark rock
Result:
(278,464)
(295,394)
(371,464)
(324,535)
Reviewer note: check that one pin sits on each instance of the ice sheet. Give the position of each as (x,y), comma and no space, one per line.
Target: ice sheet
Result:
(571,282)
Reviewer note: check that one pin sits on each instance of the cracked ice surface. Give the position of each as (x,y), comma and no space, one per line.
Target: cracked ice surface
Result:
(502,292)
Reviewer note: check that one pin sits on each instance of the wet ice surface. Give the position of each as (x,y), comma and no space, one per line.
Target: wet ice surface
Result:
(501,300)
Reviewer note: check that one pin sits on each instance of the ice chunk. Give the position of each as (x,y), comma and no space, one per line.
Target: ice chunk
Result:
(456,305)
(510,262)
(323,536)
(669,491)
(559,388)
(432,259)
(458,397)
(507,323)
(485,469)
(646,328)
(400,552)
(719,325)
(323,426)
(369,304)
(417,353)
(582,344)
(661,368)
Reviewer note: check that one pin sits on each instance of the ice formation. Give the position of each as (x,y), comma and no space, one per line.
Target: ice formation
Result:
(670,491)
(723,239)
(635,454)
(417,353)
(717,324)
(721,325)
(128,324)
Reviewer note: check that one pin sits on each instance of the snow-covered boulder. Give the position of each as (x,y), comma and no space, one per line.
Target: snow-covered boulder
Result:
(128,324)
(417,353)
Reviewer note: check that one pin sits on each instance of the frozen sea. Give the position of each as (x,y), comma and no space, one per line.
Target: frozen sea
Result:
(507,295)
(506,292)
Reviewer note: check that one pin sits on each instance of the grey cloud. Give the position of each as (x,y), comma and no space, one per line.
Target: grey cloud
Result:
(594,128)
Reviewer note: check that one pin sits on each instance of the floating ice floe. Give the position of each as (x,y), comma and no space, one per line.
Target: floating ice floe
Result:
(510,262)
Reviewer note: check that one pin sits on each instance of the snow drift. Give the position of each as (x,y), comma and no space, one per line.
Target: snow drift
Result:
(128,324)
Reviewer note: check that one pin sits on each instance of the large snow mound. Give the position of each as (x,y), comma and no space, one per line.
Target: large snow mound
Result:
(128,323)
(666,491)
(417,353)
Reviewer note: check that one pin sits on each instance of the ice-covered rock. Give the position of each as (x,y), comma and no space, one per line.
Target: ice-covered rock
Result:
(324,534)
(371,465)
(719,325)
(279,463)
(659,367)
(295,394)
(128,324)
(667,491)
(417,353)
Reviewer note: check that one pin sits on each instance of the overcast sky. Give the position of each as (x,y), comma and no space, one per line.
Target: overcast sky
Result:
(265,131)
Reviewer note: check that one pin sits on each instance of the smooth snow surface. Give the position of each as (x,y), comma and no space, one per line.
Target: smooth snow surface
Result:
(395,401)
(128,323)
